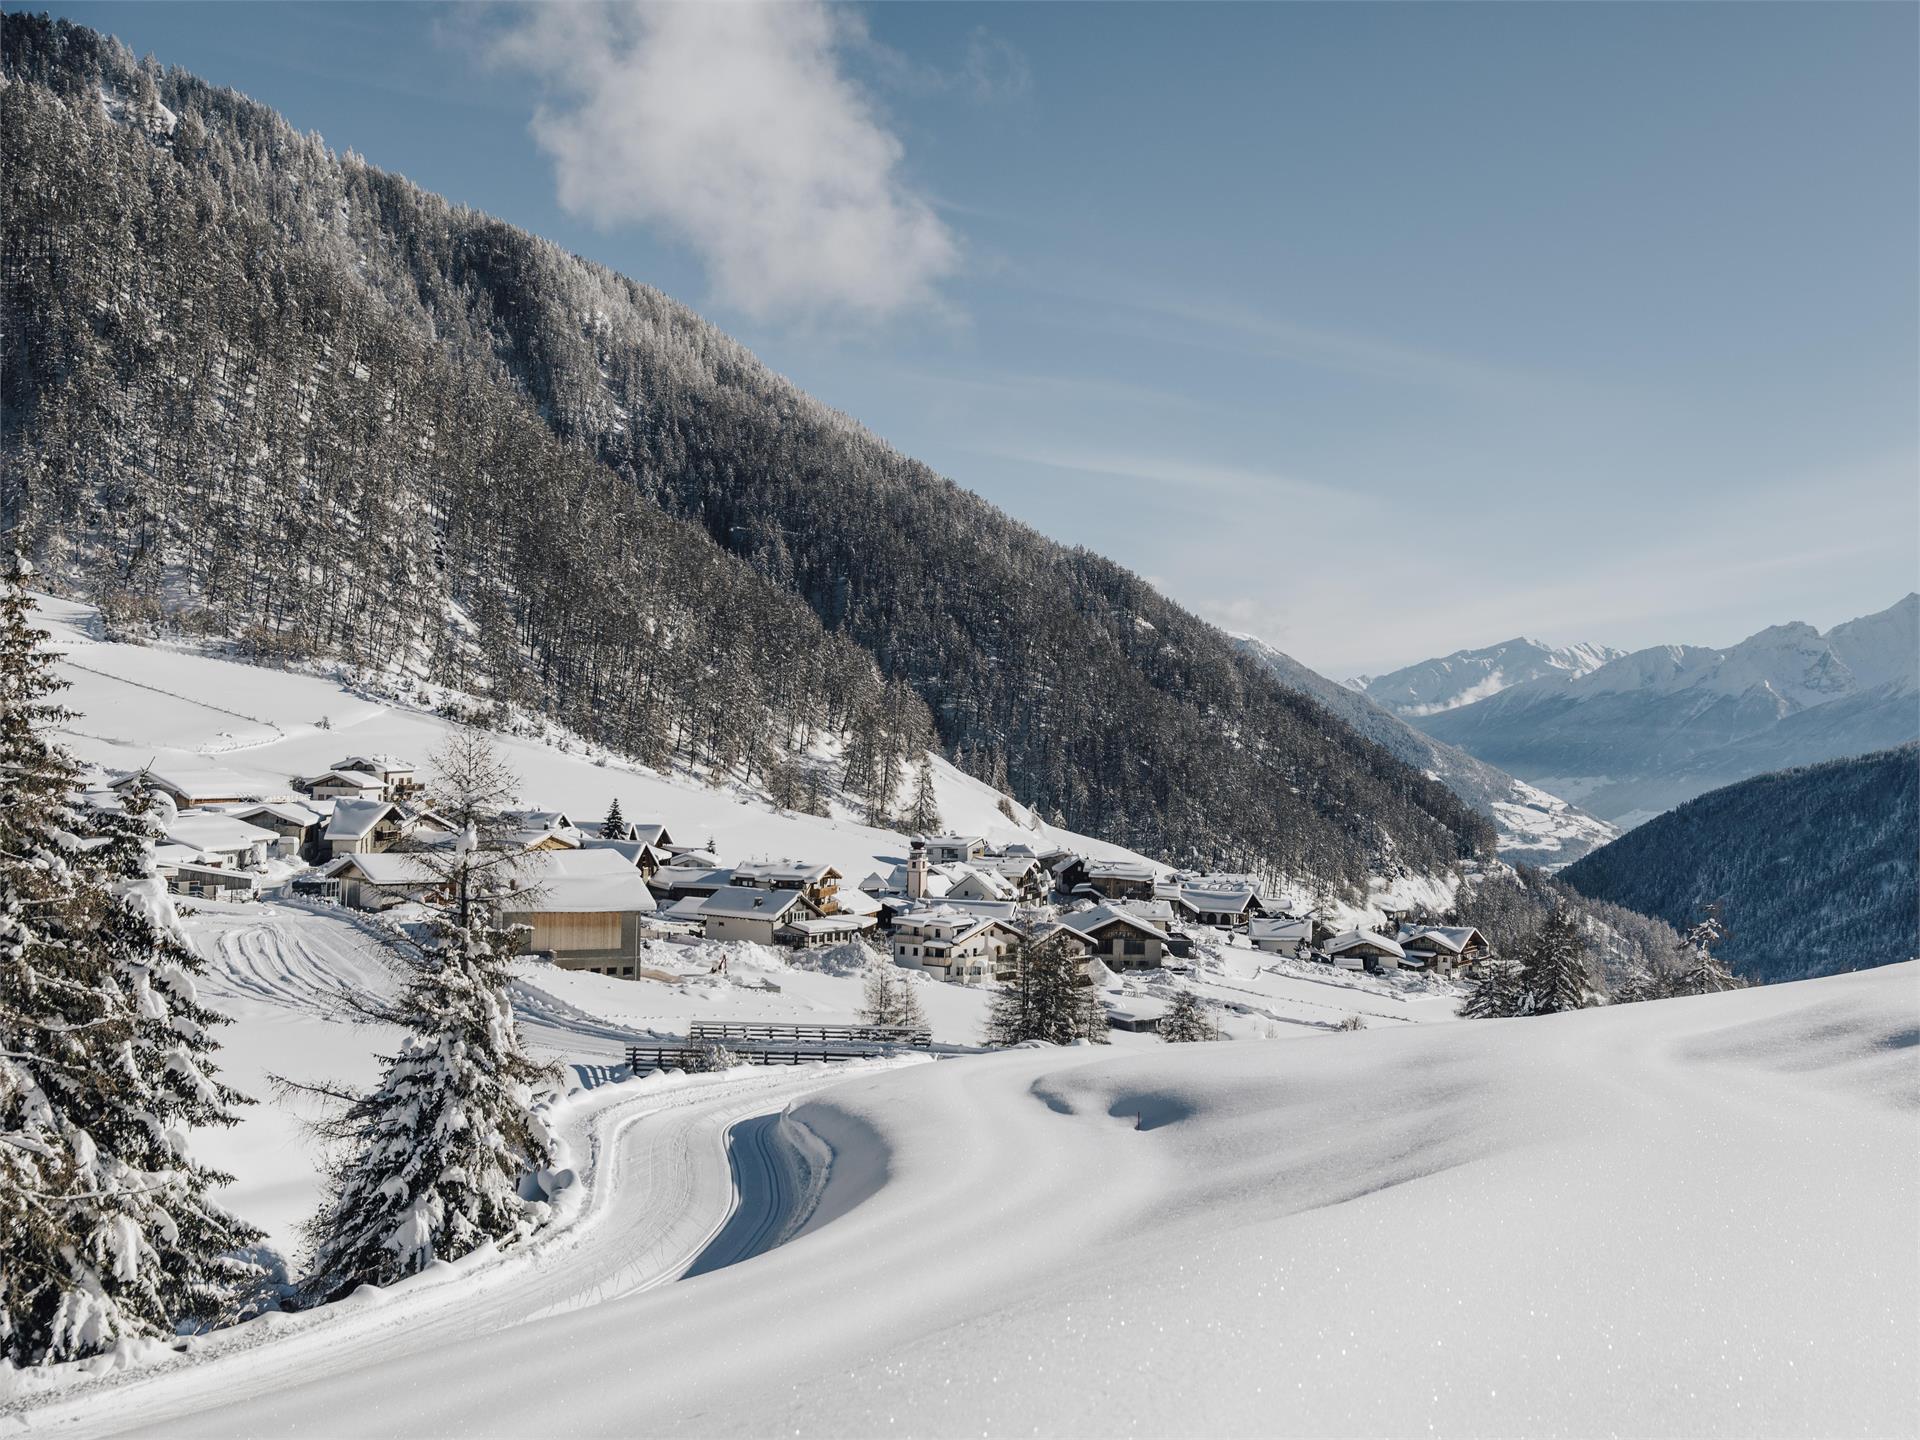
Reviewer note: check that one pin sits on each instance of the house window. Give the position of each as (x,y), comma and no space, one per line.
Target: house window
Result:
(1136,947)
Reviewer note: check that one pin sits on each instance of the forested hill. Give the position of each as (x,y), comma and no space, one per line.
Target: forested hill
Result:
(1815,870)
(279,394)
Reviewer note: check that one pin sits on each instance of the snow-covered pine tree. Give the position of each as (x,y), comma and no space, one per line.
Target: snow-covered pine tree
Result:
(104,1224)
(1700,971)
(1500,993)
(439,1148)
(1048,998)
(614,827)
(923,810)
(173,1086)
(61,1020)
(1646,980)
(1557,977)
(1186,1020)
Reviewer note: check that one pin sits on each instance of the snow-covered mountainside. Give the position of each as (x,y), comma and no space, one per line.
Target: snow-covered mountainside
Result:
(1649,730)
(424,432)
(1535,828)
(1434,686)
(1814,870)
(1494,1227)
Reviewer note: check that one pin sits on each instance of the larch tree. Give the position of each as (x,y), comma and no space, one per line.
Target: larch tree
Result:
(923,809)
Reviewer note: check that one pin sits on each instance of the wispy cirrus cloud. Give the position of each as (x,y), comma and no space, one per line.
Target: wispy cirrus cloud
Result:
(737,129)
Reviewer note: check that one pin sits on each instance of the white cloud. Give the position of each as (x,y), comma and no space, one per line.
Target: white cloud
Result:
(735,128)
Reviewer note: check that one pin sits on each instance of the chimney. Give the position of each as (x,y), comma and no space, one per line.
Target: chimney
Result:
(917,870)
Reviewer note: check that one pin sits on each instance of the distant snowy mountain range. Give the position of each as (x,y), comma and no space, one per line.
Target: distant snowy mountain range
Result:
(1535,828)
(1633,735)
(1434,686)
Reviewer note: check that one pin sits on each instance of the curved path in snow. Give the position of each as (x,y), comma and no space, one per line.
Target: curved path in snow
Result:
(661,1193)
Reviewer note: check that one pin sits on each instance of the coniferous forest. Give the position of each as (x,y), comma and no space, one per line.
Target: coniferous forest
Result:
(1813,871)
(264,392)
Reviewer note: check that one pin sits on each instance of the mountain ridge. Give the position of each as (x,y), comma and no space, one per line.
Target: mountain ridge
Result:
(1648,730)
(1535,828)
(1814,868)
(1448,682)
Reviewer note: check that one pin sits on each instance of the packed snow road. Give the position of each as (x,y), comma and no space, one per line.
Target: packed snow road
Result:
(660,1192)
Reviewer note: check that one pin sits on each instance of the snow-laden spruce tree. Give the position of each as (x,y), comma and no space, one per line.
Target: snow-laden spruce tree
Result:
(106,1233)
(437,1155)
(1186,1020)
(1557,975)
(614,827)
(172,1083)
(923,810)
(1699,971)
(1643,981)
(1500,993)
(437,1152)
(1047,998)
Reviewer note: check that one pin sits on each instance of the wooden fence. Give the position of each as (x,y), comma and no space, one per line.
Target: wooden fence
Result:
(817,1034)
(641,1058)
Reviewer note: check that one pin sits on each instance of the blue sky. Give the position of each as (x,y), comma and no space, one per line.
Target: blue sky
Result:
(1375,330)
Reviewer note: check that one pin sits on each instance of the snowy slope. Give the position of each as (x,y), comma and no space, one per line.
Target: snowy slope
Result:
(1433,686)
(1611,1222)
(1535,828)
(138,704)
(1646,731)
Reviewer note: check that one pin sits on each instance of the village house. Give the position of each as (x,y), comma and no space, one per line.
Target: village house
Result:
(1117,879)
(221,840)
(645,858)
(810,932)
(1119,938)
(587,910)
(680,882)
(1364,949)
(1222,905)
(194,786)
(396,776)
(1442,949)
(820,884)
(301,826)
(749,912)
(954,849)
(955,944)
(1281,934)
(364,827)
(375,880)
(544,830)
(1020,868)
(345,785)
(976,882)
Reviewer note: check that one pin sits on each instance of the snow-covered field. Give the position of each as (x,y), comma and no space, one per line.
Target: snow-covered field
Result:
(1691,1217)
